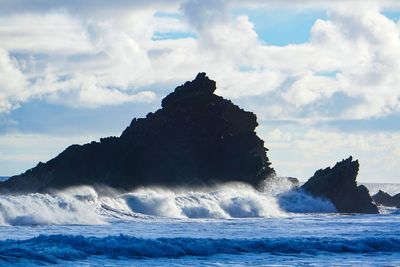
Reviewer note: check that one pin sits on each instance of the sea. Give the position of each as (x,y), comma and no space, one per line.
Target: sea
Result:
(225,225)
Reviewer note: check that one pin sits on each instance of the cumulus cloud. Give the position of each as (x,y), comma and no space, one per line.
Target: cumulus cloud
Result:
(309,88)
(93,95)
(303,152)
(312,4)
(353,53)
(20,151)
(49,33)
(12,82)
(56,56)
(93,8)
(109,55)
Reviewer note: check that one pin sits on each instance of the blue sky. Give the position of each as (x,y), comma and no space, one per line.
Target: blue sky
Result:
(283,26)
(321,77)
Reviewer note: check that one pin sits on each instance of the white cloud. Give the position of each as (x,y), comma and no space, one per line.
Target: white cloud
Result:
(12,82)
(93,95)
(357,44)
(49,33)
(19,151)
(359,48)
(304,151)
(315,4)
(92,8)
(308,89)
(354,52)
(58,55)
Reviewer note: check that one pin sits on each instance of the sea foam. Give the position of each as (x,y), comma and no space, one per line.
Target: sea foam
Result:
(62,208)
(83,205)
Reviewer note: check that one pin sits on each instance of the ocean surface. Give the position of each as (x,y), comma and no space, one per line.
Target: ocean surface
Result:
(228,225)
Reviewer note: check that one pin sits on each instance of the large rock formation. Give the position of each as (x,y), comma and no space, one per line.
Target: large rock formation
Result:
(338,184)
(384,199)
(196,138)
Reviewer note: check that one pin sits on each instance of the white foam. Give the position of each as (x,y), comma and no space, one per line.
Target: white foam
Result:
(62,208)
(82,205)
(298,201)
(224,201)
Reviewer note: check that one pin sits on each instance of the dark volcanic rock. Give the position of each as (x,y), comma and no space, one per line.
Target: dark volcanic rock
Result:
(384,199)
(338,184)
(196,138)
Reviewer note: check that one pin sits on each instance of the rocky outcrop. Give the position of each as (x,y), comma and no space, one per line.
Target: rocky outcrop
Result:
(338,184)
(196,138)
(384,199)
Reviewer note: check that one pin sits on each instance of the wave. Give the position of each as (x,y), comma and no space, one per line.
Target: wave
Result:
(225,201)
(298,201)
(63,208)
(56,248)
(83,205)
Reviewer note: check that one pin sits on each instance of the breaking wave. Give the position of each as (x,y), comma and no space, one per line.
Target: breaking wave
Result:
(69,207)
(298,201)
(83,205)
(56,248)
(227,201)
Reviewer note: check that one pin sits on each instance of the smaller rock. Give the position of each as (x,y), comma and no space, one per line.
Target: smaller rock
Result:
(338,184)
(384,199)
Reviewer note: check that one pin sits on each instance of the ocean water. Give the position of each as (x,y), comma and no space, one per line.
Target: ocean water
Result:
(228,225)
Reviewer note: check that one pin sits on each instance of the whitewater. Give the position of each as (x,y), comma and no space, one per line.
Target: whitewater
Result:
(225,225)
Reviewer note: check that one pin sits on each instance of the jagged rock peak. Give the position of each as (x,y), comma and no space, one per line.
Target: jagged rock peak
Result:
(343,165)
(338,184)
(200,86)
(197,138)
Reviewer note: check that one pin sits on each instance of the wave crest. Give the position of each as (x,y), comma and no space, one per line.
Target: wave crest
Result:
(225,201)
(37,209)
(82,205)
(54,248)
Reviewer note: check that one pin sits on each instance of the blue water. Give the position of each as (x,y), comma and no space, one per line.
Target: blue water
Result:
(227,226)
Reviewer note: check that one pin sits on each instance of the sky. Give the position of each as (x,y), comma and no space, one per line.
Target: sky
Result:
(323,77)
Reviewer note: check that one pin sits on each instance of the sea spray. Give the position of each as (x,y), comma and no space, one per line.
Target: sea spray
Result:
(233,200)
(36,208)
(298,201)
(293,199)
(84,205)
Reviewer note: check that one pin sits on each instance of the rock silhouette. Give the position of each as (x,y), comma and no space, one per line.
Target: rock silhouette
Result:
(384,199)
(196,138)
(338,184)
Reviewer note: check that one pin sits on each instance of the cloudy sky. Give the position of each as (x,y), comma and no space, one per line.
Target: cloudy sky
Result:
(323,77)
